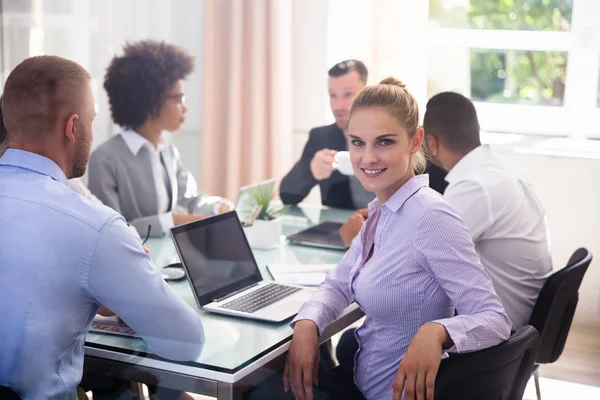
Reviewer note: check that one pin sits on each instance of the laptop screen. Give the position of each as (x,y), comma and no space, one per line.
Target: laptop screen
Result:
(246,202)
(216,256)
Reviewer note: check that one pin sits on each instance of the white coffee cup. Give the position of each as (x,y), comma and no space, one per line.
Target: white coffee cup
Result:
(341,162)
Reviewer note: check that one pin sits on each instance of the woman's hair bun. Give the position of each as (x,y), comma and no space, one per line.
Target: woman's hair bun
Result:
(393,81)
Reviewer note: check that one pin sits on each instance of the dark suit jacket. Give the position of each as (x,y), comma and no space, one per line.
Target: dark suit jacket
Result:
(335,190)
(437,177)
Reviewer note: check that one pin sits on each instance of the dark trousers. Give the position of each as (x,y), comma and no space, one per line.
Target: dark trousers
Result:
(347,348)
(108,388)
(334,384)
(326,351)
(104,387)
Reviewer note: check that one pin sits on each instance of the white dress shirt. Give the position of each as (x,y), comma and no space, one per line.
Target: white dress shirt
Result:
(508,226)
(135,142)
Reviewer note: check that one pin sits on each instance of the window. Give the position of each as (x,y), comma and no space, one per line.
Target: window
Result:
(92,32)
(527,64)
(512,76)
(524,15)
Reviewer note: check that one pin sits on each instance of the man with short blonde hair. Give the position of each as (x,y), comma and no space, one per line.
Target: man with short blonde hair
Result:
(63,256)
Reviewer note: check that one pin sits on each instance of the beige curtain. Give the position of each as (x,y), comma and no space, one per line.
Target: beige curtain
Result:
(247,127)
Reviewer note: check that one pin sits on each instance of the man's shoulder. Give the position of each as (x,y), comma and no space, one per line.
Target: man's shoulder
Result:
(49,204)
(496,182)
(331,130)
(73,209)
(494,173)
(82,211)
(328,136)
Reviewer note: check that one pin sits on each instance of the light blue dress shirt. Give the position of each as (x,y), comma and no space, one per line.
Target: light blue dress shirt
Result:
(61,256)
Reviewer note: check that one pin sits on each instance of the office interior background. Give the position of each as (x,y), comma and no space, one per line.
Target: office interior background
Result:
(260,84)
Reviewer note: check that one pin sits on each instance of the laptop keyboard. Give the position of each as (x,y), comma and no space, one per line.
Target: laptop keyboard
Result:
(260,298)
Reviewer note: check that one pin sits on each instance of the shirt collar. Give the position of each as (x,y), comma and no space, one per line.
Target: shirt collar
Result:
(135,141)
(33,162)
(472,161)
(404,193)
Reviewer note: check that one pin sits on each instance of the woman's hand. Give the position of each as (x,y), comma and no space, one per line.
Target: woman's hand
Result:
(302,363)
(420,364)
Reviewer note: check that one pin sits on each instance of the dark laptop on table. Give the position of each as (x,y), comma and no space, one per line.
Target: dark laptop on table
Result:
(325,235)
(224,275)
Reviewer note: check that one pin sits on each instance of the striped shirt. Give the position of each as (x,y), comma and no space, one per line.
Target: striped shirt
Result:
(423,264)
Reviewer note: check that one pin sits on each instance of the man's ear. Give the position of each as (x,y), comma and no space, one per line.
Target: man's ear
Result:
(71,128)
(433,145)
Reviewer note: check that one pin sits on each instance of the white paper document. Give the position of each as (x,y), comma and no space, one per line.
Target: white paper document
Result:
(300,274)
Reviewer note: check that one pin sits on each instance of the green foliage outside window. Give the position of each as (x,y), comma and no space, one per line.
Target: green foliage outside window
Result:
(511,76)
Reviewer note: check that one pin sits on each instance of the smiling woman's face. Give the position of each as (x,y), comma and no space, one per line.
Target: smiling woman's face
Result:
(381,151)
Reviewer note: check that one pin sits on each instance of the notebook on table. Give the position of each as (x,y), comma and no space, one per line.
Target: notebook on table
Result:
(325,235)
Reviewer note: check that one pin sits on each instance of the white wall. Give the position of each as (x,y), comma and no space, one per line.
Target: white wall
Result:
(91,32)
(309,58)
(310,103)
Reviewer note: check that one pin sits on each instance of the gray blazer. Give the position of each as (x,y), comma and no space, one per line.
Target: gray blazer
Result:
(124,182)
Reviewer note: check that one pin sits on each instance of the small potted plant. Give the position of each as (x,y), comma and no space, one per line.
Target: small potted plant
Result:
(263,227)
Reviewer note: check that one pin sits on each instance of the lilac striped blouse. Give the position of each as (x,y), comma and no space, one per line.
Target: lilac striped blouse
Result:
(424,262)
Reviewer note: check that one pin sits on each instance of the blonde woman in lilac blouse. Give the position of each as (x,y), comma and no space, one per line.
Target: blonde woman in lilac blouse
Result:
(411,265)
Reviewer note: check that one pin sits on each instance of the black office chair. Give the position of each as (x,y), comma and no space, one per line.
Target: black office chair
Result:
(554,309)
(498,373)
(8,394)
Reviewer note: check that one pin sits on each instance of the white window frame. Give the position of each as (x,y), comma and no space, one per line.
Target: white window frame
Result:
(579,116)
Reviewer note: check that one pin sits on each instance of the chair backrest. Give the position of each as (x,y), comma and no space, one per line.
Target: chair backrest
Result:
(8,394)
(498,373)
(554,309)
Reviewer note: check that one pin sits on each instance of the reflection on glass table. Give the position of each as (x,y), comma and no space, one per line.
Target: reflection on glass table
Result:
(231,342)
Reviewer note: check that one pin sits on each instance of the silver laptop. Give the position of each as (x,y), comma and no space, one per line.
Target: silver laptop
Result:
(224,275)
(245,202)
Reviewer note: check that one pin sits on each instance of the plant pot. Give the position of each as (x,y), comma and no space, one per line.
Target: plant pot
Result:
(264,235)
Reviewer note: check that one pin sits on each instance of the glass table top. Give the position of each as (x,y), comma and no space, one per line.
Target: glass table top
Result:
(231,342)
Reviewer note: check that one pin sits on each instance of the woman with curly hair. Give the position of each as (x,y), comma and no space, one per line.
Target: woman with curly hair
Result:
(139,172)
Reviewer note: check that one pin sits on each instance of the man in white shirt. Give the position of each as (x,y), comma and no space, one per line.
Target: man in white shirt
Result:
(506,220)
